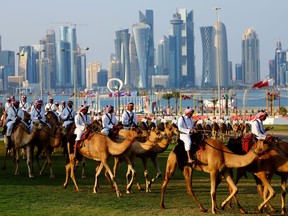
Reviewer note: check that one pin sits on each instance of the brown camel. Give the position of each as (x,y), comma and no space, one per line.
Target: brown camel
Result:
(22,138)
(137,149)
(99,147)
(213,157)
(272,162)
(215,130)
(47,141)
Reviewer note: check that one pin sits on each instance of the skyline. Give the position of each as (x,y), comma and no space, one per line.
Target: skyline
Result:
(30,21)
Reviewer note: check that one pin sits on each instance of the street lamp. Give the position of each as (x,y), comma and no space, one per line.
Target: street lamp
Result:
(218,56)
(75,69)
(41,73)
(19,81)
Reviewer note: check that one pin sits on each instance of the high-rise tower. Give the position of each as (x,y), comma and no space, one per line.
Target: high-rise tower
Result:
(175,52)
(148,19)
(250,57)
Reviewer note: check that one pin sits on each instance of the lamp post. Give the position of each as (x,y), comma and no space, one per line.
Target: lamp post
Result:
(218,57)
(75,52)
(19,78)
(41,73)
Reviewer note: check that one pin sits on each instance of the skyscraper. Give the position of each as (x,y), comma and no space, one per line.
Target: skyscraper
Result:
(141,32)
(188,57)
(50,59)
(250,57)
(123,54)
(175,52)
(220,43)
(280,64)
(208,57)
(66,49)
(148,19)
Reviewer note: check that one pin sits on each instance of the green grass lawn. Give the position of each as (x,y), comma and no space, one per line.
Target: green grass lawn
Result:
(20,195)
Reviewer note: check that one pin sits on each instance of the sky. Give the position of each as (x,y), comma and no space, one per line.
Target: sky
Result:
(26,22)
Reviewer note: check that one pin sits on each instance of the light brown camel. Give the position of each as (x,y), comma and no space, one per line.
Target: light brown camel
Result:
(157,148)
(213,157)
(22,138)
(99,147)
(272,162)
(138,149)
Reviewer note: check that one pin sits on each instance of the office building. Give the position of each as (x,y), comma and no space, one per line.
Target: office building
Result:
(175,52)
(148,18)
(188,56)
(250,57)
(141,32)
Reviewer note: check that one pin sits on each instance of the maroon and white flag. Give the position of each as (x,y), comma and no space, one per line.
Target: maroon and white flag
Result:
(264,83)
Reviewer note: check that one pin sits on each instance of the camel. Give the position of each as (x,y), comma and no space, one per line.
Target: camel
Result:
(152,152)
(213,157)
(215,130)
(46,141)
(99,147)
(22,138)
(274,161)
(138,149)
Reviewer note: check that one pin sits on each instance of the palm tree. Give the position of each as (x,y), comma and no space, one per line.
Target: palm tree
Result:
(176,95)
(167,96)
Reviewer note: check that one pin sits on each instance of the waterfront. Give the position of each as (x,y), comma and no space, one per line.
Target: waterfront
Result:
(255,99)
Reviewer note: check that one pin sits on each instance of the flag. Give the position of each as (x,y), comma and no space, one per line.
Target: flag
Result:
(263,83)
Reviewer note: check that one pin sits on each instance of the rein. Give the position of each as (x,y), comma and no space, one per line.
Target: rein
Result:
(255,152)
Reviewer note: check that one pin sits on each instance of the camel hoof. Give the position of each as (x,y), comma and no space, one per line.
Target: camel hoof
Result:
(83,177)
(65,186)
(162,206)
(203,210)
(242,211)
(260,210)
(52,176)
(31,176)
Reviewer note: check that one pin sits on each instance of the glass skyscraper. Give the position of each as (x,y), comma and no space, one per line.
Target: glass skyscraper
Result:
(250,57)
(141,32)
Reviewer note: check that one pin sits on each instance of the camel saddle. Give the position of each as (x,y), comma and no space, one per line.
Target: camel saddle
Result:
(247,142)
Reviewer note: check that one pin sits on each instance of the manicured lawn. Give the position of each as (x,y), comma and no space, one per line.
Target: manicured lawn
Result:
(20,195)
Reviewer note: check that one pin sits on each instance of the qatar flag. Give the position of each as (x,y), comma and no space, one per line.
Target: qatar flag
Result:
(263,83)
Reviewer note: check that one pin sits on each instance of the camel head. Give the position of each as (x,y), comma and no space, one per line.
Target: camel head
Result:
(38,126)
(259,147)
(155,135)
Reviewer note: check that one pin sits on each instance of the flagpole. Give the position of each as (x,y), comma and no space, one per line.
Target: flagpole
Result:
(272,102)
(267,92)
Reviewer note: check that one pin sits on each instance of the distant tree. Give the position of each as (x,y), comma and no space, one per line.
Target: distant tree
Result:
(283,111)
(168,97)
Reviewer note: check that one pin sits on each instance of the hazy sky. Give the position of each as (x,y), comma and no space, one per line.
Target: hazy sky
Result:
(26,22)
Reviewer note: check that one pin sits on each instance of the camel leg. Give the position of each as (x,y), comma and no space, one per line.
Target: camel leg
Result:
(16,162)
(170,170)
(232,187)
(213,180)
(130,171)
(29,161)
(97,173)
(188,172)
(157,167)
(116,164)
(83,175)
(267,186)
(105,164)
(5,159)
(70,167)
(283,194)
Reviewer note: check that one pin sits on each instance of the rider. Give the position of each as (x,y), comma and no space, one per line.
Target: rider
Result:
(7,104)
(68,114)
(50,106)
(82,119)
(258,129)
(61,107)
(108,120)
(24,105)
(129,117)
(15,113)
(186,128)
(37,114)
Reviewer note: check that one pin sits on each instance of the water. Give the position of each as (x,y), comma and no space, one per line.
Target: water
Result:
(254,99)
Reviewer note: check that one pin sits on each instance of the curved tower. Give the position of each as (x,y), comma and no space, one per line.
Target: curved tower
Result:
(141,32)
